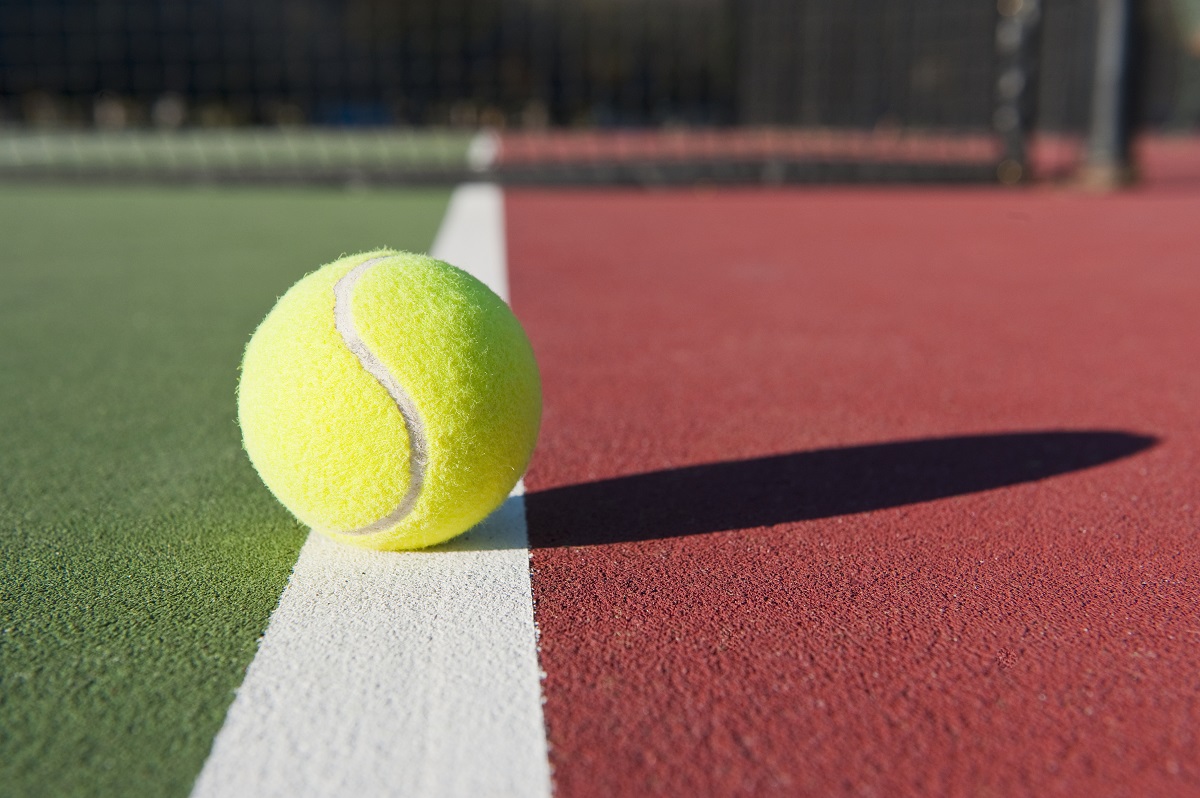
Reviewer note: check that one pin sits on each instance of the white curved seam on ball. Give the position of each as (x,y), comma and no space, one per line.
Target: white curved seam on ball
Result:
(343,319)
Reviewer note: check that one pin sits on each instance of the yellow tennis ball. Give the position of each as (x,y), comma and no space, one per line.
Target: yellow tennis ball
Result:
(390,400)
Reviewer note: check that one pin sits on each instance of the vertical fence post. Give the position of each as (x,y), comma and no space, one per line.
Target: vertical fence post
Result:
(1017,39)
(1108,162)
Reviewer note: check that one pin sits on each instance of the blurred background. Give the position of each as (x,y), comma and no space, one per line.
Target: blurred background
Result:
(597,91)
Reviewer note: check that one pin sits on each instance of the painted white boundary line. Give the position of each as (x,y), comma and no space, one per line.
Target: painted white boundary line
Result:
(482,151)
(399,674)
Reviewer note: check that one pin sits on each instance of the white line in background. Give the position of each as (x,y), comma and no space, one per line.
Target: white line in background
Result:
(483,150)
(388,674)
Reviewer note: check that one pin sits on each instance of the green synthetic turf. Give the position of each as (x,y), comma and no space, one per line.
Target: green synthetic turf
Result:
(140,557)
(289,150)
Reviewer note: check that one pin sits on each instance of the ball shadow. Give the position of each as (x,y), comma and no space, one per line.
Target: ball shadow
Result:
(803,486)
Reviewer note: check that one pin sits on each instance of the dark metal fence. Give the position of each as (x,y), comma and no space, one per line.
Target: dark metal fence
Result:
(463,62)
(856,63)
(906,66)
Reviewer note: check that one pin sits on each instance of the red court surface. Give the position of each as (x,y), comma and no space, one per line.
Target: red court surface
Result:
(866,492)
(550,146)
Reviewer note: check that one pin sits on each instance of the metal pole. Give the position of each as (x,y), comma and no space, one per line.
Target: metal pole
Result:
(1108,162)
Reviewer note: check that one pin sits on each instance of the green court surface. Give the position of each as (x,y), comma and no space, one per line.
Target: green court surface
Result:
(280,151)
(140,557)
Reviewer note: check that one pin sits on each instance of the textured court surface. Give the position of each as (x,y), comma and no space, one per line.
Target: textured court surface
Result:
(760,569)
(139,554)
(839,492)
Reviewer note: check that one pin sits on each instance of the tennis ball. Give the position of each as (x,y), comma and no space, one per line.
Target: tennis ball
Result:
(389,400)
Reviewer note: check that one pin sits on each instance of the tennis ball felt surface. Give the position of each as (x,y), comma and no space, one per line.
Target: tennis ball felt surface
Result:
(389,400)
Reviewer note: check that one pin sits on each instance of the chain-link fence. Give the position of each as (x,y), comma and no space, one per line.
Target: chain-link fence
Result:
(593,90)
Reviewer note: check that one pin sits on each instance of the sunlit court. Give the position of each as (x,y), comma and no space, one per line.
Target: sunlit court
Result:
(616,398)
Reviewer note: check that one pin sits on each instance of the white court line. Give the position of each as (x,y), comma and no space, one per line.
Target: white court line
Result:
(482,151)
(389,674)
